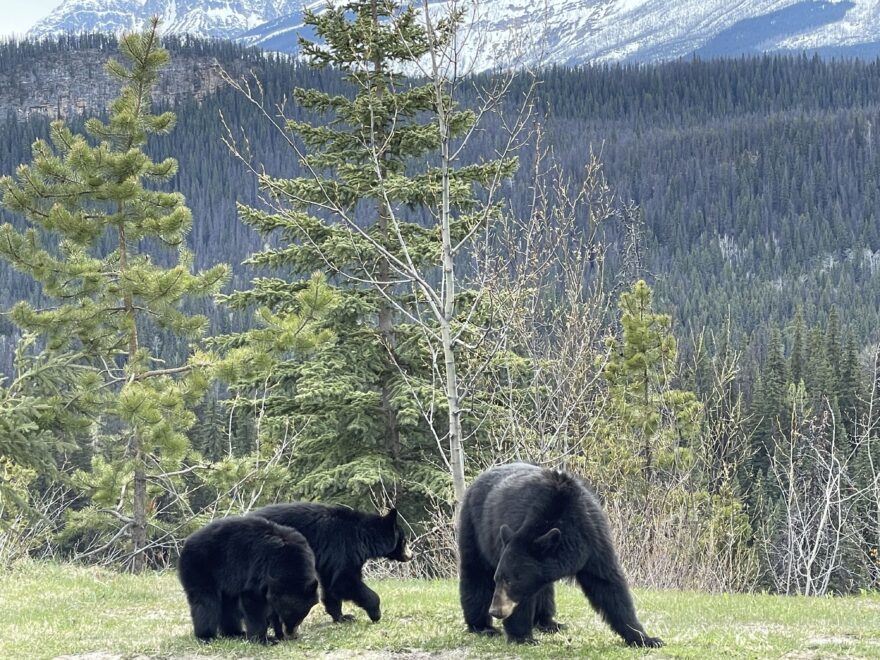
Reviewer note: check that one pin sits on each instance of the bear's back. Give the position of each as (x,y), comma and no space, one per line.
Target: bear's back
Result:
(520,493)
(335,533)
(232,548)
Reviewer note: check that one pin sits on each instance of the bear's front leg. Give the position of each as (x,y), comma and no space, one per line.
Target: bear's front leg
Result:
(367,599)
(206,617)
(608,593)
(520,623)
(350,586)
(545,611)
(256,617)
(230,619)
(277,627)
(475,583)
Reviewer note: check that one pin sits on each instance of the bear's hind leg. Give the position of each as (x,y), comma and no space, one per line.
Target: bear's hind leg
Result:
(230,617)
(545,611)
(476,583)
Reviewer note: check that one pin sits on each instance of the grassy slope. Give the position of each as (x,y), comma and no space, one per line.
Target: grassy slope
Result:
(48,610)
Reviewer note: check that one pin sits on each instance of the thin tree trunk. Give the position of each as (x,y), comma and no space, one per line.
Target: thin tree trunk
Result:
(386,320)
(456,454)
(447,289)
(386,328)
(135,446)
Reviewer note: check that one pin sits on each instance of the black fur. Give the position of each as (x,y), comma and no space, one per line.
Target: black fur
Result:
(521,529)
(251,568)
(343,540)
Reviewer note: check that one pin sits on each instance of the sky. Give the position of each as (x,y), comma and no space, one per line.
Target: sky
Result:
(16,16)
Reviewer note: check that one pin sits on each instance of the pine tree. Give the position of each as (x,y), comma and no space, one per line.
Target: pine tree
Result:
(362,214)
(98,242)
(658,418)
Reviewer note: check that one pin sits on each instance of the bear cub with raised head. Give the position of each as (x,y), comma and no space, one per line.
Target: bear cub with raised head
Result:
(521,529)
(247,568)
(343,540)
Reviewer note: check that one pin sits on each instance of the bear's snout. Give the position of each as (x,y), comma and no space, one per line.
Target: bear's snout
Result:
(502,604)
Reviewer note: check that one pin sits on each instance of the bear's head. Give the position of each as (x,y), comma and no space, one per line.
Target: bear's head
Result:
(525,567)
(396,537)
(291,604)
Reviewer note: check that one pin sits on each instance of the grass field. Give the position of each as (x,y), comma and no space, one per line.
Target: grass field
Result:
(51,610)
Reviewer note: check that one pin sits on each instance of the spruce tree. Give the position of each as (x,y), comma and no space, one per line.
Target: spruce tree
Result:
(109,251)
(36,425)
(819,372)
(833,353)
(850,389)
(769,403)
(362,214)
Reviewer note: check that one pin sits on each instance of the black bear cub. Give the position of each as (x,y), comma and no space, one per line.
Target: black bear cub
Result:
(250,568)
(521,529)
(343,540)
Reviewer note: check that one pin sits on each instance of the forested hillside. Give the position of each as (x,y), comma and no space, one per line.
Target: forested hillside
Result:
(757,180)
(756,177)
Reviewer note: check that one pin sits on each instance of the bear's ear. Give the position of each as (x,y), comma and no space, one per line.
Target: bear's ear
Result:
(391,515)
(505,533)
(548,542)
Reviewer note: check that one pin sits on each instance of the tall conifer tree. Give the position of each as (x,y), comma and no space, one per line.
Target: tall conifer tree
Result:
(769,403)
(850,389)
(362,214)
(833,353)
(98,242)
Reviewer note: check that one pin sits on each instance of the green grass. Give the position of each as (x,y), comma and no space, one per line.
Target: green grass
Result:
(47,610)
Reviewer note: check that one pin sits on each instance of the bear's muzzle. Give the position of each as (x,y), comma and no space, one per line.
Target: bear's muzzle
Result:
(502,604)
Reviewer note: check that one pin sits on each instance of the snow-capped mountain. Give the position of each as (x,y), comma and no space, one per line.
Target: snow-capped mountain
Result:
(206,18)
(517,32)
(281,34)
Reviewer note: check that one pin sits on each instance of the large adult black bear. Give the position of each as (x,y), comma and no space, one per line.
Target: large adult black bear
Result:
(252,568)
(343,540)
(521,529)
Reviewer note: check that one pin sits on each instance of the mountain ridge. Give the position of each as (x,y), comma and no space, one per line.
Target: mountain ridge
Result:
(513,33)
(224,19)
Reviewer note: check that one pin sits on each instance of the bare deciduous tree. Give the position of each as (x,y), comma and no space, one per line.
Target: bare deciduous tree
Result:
(815,540)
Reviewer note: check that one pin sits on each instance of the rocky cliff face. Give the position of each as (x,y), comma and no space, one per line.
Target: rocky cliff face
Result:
(63,82)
